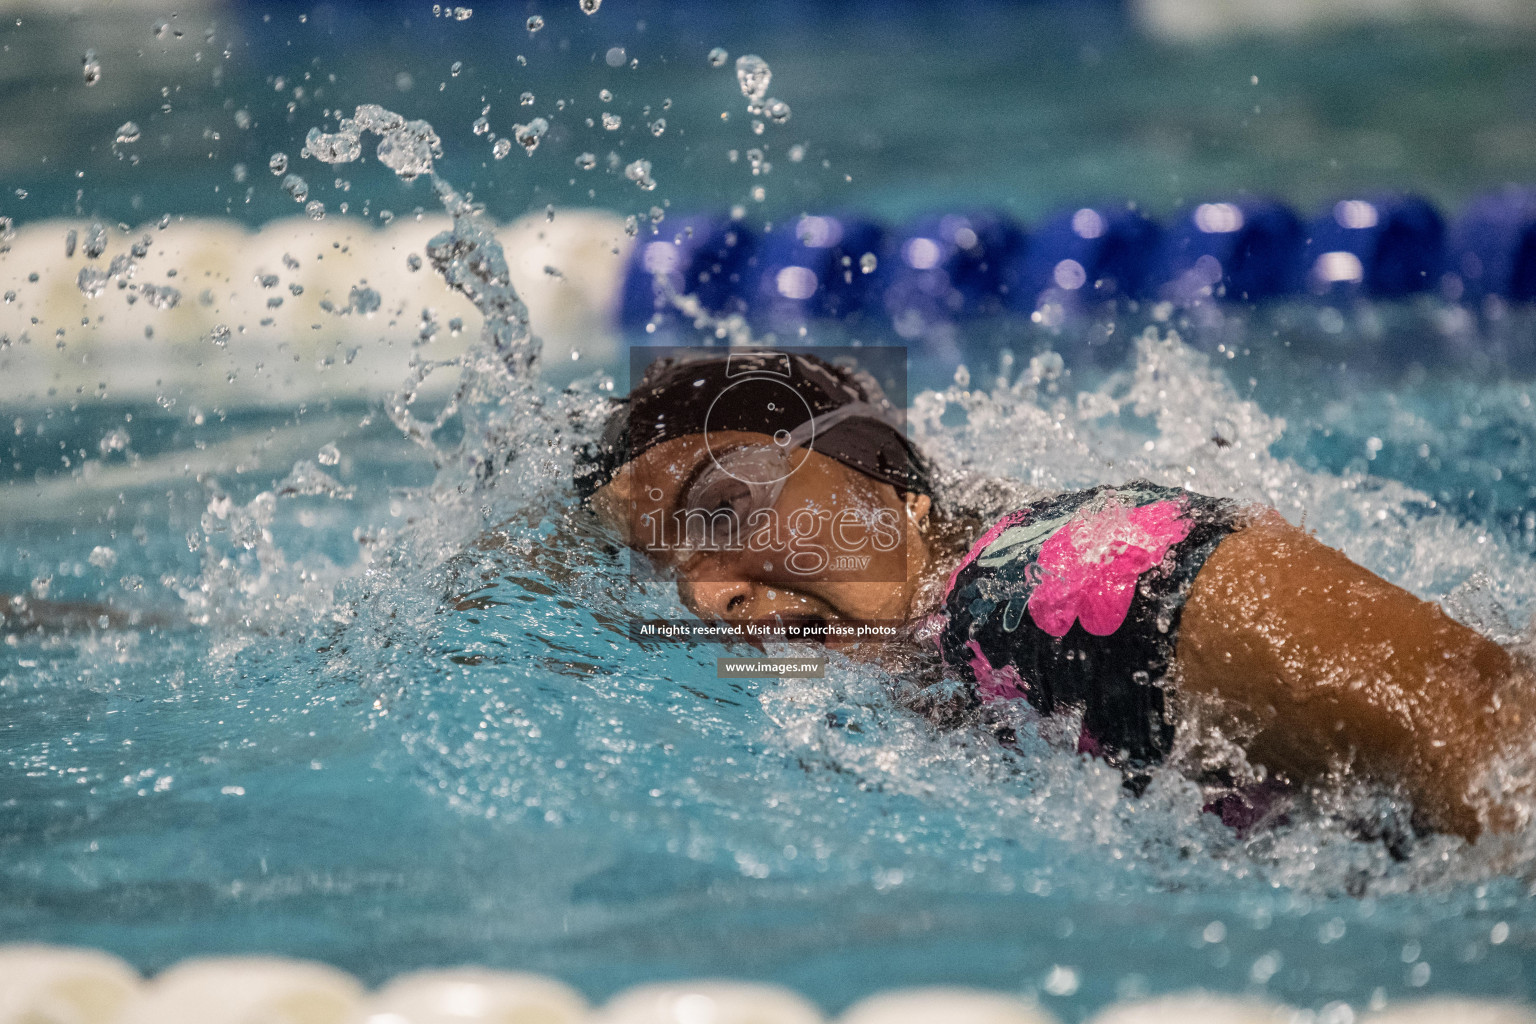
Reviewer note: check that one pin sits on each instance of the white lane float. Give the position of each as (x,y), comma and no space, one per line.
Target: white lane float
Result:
(61,985)
(708,1002)
(1453,1011)
(949,1005)
(247,990)
(1196,1008)
(473,996)
(1200,21)
(300,307)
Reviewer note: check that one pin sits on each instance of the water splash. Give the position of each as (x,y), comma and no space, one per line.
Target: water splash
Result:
(753,75)
(639,172)
(95,241)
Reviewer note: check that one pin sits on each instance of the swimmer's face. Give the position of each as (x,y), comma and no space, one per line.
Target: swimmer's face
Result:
(819,508)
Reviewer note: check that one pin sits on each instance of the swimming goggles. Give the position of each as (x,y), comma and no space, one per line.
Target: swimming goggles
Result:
(749,479)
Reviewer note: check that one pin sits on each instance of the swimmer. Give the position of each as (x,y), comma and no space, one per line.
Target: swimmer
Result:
(1122,603)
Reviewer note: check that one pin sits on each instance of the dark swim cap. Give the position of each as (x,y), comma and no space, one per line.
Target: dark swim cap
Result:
(845,415)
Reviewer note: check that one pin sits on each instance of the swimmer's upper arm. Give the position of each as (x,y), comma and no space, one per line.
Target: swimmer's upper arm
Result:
(1339,664)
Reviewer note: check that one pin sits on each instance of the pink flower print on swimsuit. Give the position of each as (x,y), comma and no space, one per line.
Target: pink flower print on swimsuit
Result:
(994,683)
(1087,571)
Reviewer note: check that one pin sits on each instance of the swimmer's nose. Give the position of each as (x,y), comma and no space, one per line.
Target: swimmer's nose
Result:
(727,600)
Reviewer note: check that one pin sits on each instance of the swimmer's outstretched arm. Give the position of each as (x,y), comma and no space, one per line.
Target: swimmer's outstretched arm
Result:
(1339,664)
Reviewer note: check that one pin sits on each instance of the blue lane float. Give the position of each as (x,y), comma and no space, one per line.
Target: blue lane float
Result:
(824,267)
(945,269)
(1247,250)
(941,270)
(1492,248)
(1084,255)
(1384,247)
(710,258)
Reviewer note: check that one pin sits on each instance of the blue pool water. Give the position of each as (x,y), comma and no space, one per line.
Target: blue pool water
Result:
(389,716)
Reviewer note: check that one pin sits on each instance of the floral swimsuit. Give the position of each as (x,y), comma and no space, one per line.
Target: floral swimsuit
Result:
(1075,600)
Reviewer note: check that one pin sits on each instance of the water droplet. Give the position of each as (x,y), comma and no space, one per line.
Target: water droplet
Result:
(586,161)
(129,132)
(753,75)
(526,99)
(868,262)
(91,68)
(316,209)
(362,299)
(590,6)
(501,148)
(639,172)
(456,67)
(161,296)
(91,282)
(777,111)
(330,455)
(115,440)
(528,135)
(242,119)
(535,23)
(413,263)
(605,96)
(612,122)
(614,58)
(405,147)
(95,241)
(70,237)
(340,148)
(658,126)
(279,163)
(481,125)
(297,187)
(718,57)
